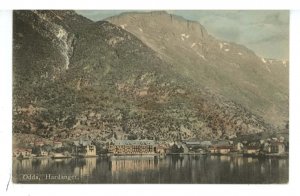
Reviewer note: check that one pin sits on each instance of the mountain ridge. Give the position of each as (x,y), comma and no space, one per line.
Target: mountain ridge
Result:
(212,62)
(114,85)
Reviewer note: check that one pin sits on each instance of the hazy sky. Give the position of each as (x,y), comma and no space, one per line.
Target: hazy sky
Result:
(265,32)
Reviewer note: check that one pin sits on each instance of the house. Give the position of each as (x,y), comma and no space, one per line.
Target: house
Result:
(251,150)
(193,144)
(57,144)
(281,139)
(239,147)
(267,147)
(274,147)
(23,153)
(224,149)
(132,147)
(220,149)
(44,153)
(38,143)
(161,150)
(205,144)
(84,148)
(183,147)
(213,150)
(277,147)
(41,152)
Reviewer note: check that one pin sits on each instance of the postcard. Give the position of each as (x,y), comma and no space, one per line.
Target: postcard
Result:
(150,97)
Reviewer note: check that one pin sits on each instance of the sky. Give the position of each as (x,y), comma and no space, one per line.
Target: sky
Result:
(266,32)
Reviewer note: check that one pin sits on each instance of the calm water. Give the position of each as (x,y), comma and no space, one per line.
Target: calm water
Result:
(172,169)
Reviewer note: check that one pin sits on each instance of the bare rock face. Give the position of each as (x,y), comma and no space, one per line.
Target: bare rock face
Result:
(259,84)
(74,77)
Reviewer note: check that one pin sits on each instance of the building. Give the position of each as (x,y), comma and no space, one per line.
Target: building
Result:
(213,150)
(251,150)
(57,144)
(22,153)
(84,148)
(224,149)
(274,148)
(40,152)
(239,147)
(38,143)
(205,144)
(220,149)
(277,147)
(132,147)
(193,144)
(161,150)
(44,153)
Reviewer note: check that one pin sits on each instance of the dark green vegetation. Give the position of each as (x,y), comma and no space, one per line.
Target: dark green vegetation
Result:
(74,77)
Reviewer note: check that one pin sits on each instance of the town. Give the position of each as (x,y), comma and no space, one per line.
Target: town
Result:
(85,147)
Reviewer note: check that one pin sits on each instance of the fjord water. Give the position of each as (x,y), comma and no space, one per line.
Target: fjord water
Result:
(171,169)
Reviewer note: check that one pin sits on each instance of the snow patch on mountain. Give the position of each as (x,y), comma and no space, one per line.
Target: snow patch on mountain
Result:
(221,46)
(123,26)
(263,60)
(184,36)
(284,63)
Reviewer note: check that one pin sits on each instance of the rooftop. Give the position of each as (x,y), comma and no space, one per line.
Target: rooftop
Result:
(134,142)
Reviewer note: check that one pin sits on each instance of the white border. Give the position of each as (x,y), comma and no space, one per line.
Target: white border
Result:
(6,97)
(6,91)
(150,4)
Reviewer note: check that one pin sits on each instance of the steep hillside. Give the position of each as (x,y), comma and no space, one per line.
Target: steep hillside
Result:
(259,84)
(74,77)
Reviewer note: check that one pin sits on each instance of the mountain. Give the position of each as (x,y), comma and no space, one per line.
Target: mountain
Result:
(74,77)
(259,84)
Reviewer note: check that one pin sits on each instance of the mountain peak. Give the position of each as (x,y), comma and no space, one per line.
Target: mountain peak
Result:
(215,63)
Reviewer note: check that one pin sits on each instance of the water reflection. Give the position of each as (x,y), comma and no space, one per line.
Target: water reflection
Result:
(171,169)
(132,164)
(85,167)
(224,158)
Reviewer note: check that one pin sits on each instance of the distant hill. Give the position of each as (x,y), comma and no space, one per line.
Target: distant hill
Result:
(74,77)
(259,84)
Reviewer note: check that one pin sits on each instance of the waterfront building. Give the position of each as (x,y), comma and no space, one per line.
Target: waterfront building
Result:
(224,149)
(277,147)
(220,149)
(132,147)
(22,152)
(251,150)
(84,148)
(161,150)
